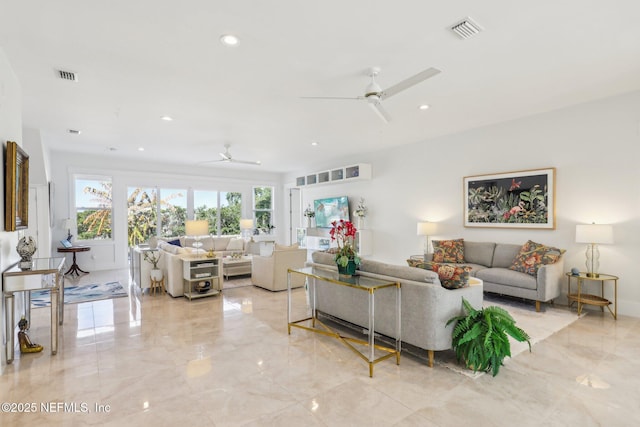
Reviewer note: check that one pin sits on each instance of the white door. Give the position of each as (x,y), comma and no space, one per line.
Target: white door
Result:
(39,220)
(295,213)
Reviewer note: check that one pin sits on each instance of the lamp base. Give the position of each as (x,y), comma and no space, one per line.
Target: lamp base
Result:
(594,275)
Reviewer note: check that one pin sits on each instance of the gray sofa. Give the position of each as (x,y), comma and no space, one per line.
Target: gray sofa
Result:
(426,305)
(490,262)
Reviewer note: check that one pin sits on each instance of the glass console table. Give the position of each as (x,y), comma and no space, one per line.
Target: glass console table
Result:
(15,279)
(362,283)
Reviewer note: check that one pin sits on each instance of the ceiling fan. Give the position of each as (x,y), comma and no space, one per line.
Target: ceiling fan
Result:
(227,157)
(374,95)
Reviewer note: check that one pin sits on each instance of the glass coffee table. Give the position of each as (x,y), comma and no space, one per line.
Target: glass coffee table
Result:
(368,286)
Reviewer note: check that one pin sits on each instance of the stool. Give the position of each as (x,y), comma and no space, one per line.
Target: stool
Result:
(157,285)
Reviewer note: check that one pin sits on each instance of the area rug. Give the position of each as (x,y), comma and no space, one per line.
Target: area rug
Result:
(539,326)
(78,294)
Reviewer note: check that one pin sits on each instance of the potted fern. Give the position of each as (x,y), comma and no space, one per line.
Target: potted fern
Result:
(481,337)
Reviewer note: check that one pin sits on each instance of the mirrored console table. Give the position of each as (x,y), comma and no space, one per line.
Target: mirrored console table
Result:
(45,273)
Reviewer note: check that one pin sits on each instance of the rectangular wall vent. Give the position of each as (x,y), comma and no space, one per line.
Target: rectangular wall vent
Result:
(68,75)
(466,28)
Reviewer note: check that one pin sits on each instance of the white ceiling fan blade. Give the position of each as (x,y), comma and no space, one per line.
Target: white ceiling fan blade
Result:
(247,162)
(381,112)
(212,161)
(334,97)
(411,81)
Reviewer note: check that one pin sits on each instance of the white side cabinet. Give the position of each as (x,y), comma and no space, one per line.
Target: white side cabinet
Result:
(364,242)
(200,277)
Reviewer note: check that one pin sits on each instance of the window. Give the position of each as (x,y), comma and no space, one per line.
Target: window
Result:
(230,209)
(173,212)
(263,207)
(142,214)
(93,207)
(219,208)
(205,206)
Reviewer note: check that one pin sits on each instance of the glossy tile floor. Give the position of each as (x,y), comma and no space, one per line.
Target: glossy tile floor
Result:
(226,361)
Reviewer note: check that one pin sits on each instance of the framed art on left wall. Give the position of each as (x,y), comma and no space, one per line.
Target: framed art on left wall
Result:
(522,199)
(16,181)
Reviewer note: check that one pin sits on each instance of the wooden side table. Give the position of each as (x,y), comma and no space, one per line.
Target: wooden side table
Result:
(157,285)
(74,266)
(589,299)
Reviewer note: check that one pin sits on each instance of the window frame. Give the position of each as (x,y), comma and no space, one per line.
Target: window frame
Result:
(74,208)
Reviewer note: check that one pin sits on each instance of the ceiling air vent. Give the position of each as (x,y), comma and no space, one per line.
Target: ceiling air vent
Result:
(466,28)
(68,75)
(74,131)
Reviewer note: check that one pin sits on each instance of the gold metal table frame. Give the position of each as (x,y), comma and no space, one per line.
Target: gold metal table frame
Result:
(15,279)
(581,298)
(363,283)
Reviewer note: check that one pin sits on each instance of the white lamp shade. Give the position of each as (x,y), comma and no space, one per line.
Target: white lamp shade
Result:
(246,224)
(426,228)
(594,233)
(198,227)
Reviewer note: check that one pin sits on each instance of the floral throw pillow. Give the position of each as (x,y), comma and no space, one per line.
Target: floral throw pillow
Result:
(451,276)
(532,255)
(448,251)
(415,262)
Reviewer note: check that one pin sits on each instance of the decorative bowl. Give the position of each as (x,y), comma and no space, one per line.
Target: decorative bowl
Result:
(203,287)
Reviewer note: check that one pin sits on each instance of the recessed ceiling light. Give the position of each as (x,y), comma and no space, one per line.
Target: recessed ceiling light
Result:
(166,118)
(74,131)
(229,40)
(140,148)
(314,143)
(424,107)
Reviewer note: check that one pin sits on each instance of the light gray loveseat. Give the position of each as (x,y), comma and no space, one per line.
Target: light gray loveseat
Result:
(426,305)
(490,262)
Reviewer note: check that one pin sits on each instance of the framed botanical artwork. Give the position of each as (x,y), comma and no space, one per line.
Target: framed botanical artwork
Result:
(16,191)
(522,199)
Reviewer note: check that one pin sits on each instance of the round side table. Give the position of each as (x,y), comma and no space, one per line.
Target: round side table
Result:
(74,265)
(590,299)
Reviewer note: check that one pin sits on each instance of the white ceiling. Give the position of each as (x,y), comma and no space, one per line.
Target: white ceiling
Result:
(139,60)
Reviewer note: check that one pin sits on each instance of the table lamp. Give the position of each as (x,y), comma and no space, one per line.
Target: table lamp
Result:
(593,234)
(68,224)
(246,224)
(196,229)
(426,229)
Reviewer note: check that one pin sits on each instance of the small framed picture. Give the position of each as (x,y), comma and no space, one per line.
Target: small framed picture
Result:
(66,243)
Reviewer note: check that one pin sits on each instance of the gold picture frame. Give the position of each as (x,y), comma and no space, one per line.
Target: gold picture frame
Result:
(16,188)
(520,199)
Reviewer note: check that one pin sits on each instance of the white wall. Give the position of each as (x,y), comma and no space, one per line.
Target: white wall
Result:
(10,130)
(126,173)
(594,147)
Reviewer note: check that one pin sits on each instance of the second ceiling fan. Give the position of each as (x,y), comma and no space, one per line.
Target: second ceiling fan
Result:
(374,95)
(228,158)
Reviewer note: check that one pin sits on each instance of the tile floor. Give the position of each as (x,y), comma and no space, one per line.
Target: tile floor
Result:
(227,361)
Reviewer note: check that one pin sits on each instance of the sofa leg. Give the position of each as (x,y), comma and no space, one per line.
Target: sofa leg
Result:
(538,306)
(431,354)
